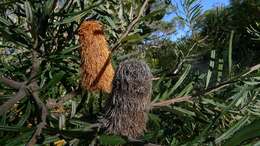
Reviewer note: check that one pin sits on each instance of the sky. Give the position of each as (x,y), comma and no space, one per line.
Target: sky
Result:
(206,4)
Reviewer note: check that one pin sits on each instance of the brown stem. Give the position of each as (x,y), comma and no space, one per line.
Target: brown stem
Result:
(253,68)
(35,92)
(207,91)
(34,89)
(68,96)
(13,99)
(170,101)
(11,83)
(36,64)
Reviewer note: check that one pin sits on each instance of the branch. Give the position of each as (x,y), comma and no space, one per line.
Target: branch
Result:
(52,103)
(34,88)
(68,96)
(170,101)
(253,68)
(35,64)
(207,91)
(131,25)
(13,99)
(37,132)
(228,82)
(11,83)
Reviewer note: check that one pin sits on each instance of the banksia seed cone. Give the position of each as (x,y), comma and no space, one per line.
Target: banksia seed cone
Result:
(96,70)
(130,99)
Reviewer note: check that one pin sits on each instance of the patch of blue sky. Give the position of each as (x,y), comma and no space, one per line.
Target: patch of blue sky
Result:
(206,5)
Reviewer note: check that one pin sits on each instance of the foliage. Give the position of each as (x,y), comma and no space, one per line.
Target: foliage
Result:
(218,24)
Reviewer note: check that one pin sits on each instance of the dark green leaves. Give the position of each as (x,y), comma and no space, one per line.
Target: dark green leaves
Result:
(111,140)
(5,22)
(49,6)
(248,132)
(177,84)
(28,12)
(77,16)
(55,79)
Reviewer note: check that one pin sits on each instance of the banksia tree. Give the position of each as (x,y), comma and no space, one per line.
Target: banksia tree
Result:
(130,99)
(96,70)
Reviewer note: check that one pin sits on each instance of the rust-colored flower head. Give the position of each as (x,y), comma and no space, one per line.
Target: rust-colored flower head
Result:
(130,99)
(96,70)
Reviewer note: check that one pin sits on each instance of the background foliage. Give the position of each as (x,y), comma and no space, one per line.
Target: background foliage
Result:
(215,65)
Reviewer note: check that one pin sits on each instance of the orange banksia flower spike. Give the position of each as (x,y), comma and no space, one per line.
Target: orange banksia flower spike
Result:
(96,69)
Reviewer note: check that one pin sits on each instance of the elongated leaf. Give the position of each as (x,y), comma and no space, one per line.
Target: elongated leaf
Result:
(26,115)
(211,67)
(235,98)
(62,121)
(49,6)
(70,49)
(250,131)
(153,14)
(230,132)
(220,70)
(55,79)
(51,139)
(79,123)
(184,111)
(78,15)
(230,53)
(177,84)
(28,12)
(11,128)
(186,90)
(5,22)
(111,22)
(14,37)
(133,38)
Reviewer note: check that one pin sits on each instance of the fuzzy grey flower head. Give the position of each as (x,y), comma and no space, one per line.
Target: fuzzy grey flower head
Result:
(130,99)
